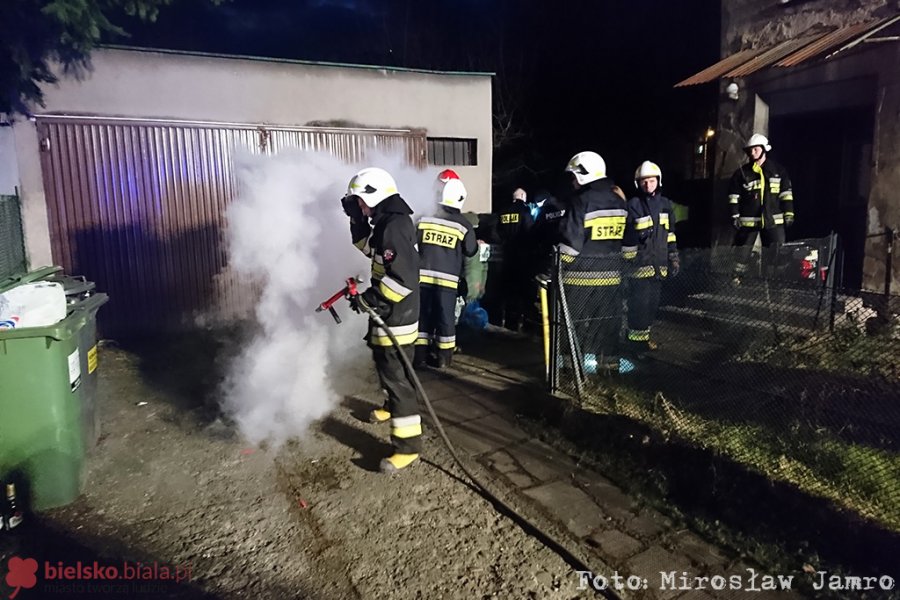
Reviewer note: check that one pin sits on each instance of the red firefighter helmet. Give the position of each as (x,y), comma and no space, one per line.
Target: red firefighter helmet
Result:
(446,175)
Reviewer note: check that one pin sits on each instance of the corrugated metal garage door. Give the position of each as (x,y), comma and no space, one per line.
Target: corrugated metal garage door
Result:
(139,208)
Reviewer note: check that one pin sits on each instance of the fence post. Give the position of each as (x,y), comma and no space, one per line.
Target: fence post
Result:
(553,379)
(888,262)
(888,274)
(834,272)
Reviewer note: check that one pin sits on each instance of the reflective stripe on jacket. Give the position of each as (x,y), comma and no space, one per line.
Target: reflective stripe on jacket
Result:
(593,227)
(443,242)
(761,197)
(394,293)
(649,236)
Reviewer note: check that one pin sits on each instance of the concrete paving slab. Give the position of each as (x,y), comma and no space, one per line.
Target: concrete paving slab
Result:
(484,435)
(459,409)
(520,480)
(649,565)
(615,544)
(502,461)
(647,525)
(440,389)
(484,382)
(499,403)
(612,500)
(571,506)
(541,461)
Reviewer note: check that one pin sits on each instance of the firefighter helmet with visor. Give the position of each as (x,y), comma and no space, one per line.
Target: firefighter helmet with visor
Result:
(453,194)
(372,185)
(757,139)
(587,167)
(647,169)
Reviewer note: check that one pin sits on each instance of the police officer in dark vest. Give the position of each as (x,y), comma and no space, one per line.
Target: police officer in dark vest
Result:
(513,225)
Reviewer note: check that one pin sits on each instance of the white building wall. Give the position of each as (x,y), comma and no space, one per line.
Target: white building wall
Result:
(167,85)
(9,167)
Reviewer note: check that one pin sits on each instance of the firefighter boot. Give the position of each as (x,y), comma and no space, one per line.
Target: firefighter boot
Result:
(379,415)
(420,357)
(440,359)
(397,462)
(445,357)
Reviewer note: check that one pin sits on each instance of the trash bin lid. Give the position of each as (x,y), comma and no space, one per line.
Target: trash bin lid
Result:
(74,285)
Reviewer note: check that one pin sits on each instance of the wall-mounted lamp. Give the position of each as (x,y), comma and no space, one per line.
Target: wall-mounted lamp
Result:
(710,132)
(731,90)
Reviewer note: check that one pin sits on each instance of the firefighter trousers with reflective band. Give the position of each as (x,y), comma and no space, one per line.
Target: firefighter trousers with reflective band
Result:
(406,424)
(745,238)
(643,302)
(437,321)
(597,316)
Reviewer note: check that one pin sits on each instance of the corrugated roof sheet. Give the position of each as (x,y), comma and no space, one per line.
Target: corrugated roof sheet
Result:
(720,68)
(849,36)
(770,56)
(790,53)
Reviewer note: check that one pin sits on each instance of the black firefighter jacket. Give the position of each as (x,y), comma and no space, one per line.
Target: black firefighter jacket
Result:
(444,240)
(391,243)
(513,223)
(761,197)
(649,241)
(592,229)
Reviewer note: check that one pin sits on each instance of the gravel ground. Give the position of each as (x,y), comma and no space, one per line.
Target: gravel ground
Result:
(312,519)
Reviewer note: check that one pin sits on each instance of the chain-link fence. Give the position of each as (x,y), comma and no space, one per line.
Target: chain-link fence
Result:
(759,357)
(12,247)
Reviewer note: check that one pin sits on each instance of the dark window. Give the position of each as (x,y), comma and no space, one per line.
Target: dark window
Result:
(452,151)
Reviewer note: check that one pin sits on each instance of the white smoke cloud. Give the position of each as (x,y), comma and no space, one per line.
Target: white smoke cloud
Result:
(288,233)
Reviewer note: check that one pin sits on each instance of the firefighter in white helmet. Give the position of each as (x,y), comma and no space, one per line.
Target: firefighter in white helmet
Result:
(444,241)
(590,246)
(761,200)
(381,228)
(650,251)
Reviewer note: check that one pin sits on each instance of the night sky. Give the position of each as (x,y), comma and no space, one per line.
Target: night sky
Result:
(580,75)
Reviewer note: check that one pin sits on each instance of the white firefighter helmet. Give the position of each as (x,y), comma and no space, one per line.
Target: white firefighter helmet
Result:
(587,167)
(372,185)
(758,139)
(647,169)
(453,194)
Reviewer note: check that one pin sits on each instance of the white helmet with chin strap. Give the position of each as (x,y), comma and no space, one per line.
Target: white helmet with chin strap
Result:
(453,194)
(373,185)
(647,169)
(587,167)
(757,139)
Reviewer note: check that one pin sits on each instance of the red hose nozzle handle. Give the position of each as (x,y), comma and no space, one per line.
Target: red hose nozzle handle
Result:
(348,291)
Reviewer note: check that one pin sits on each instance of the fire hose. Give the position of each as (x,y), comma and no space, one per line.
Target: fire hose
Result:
(349,291)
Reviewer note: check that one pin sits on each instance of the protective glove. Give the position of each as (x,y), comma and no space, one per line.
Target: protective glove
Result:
(352,209)
(788,220)
(674,264)
(359,304)
(736,221)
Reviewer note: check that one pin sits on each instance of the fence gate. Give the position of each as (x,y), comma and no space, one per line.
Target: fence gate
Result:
(139,207)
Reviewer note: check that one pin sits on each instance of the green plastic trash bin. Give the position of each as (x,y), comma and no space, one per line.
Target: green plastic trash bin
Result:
(47,394)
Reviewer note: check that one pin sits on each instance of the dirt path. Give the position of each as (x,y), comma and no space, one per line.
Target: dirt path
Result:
(312,520)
